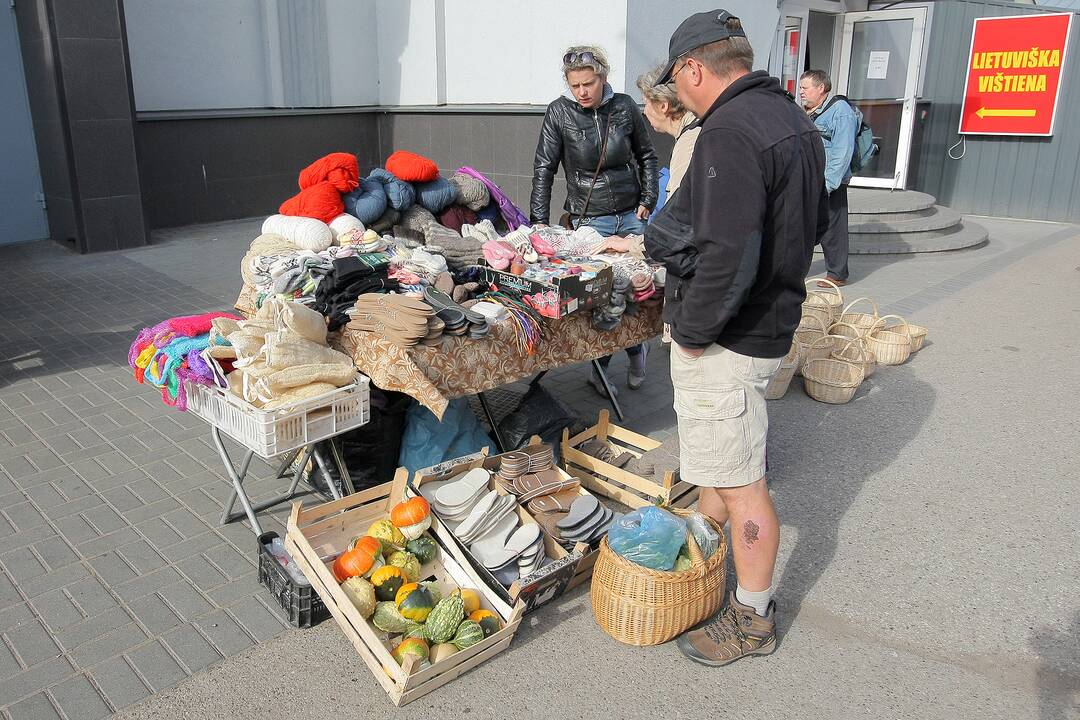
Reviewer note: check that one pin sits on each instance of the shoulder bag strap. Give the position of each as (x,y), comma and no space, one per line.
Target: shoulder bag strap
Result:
(596,173)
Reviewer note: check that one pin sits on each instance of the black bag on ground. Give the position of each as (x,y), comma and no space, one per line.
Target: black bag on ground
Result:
(371,450)
(539,413)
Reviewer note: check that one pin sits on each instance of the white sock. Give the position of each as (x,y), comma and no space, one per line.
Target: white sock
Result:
(757,600)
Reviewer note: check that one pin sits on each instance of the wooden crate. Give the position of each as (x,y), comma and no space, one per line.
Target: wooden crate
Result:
(542,586)
(316,536)
(620,485)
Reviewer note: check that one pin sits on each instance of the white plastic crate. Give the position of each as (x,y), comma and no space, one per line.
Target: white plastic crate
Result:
(274,432)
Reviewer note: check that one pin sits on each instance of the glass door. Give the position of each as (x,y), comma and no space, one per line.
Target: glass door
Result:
(881,54)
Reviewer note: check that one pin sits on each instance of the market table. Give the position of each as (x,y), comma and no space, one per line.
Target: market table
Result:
(460,367)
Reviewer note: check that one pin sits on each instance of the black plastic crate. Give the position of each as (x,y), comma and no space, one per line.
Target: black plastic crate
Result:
(300,602)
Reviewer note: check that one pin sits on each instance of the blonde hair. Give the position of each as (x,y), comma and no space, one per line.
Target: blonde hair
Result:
(599,63)
(657,94)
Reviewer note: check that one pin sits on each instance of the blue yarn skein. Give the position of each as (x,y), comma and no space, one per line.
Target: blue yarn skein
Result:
(400,193)
(368,202)
(436,195)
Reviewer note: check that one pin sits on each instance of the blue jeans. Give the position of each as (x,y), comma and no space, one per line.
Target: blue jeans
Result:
(627,223)
(623,224)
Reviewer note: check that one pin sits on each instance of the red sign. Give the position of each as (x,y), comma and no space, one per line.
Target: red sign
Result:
(1014,74)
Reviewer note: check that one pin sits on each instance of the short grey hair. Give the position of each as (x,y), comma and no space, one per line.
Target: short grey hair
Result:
(818,77)
(660,93)
(599,64)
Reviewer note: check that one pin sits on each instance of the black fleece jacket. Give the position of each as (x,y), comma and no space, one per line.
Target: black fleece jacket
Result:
(756,204)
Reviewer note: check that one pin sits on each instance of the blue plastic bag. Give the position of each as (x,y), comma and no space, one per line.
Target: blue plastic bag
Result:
(650,537)
(427,441)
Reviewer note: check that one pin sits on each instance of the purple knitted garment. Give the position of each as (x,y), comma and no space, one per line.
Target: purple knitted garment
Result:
(142,339)
(199,370)
(511,214)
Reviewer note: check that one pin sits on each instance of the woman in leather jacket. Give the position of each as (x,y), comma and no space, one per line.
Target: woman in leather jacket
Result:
(602,142)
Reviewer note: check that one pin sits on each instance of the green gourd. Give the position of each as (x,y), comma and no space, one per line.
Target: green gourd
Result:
(423,547)
(468,634)
(408,563)
(417,605)
(444,620)
(361,594)
(388,619)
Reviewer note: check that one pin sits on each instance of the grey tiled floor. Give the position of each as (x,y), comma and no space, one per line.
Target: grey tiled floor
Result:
(116,579)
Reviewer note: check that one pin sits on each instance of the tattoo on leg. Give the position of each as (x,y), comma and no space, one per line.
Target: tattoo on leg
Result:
(749,534)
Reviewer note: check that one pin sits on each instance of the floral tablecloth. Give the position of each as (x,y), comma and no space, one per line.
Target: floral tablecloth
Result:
(460,366)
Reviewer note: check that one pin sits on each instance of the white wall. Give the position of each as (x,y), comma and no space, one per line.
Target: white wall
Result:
(354,52)
(650,24)
(511,52)
(208,54)
(197,54)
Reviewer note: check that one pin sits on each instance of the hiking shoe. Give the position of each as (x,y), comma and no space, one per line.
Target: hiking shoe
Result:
(735,632)
(598,386)
(635,373)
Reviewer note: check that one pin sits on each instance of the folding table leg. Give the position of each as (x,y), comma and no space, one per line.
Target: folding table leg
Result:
(491,421)
(607,388)
(343,470)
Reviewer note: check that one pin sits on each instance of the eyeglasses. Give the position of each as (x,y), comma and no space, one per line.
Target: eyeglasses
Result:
(671,82)
(574,58)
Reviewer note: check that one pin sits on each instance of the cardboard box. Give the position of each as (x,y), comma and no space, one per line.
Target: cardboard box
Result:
(568,294)
(568,569)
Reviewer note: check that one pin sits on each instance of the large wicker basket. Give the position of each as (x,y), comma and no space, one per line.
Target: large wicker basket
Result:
(825,303)
(890,343)
(855,351)
(781,379)
(639,606)
(821,348)
(833,381)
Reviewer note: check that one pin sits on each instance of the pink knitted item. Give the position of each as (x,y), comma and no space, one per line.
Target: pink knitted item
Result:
(192,325)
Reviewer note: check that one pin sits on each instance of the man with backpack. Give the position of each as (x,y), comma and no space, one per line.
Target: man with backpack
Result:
(839,124)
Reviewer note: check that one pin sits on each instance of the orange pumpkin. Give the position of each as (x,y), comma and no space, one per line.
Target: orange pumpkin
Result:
(410,512)
(363,558)
(412,517)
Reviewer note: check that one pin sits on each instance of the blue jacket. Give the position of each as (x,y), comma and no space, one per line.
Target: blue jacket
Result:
(839,124)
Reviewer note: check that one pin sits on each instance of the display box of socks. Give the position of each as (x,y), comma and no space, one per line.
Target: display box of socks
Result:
(504,521)
(556,297)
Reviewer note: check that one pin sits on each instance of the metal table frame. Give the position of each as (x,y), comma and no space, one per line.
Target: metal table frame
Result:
(302,454)
(532,383)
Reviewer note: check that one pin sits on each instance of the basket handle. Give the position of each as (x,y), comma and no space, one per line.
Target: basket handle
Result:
(858,300)
(815,318)
(862,350)
(827,337)
(828,282)
(881,321)
(858,333)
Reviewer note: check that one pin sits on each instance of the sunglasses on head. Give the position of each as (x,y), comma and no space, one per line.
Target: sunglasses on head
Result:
(573,58)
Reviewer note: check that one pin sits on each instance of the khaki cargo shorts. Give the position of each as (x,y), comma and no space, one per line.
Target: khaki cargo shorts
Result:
(723,423)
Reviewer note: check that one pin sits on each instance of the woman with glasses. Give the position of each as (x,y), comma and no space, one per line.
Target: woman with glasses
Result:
(602,142)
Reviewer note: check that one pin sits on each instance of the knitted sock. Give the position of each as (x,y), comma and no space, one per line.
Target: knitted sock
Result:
(758,600)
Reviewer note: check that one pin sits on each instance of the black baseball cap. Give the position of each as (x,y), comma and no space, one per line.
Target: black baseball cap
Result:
(697,30)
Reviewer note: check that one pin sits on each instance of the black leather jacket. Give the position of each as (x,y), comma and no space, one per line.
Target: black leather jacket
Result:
(571,135)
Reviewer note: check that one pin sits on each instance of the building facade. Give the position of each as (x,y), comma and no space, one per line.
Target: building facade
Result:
(152,113)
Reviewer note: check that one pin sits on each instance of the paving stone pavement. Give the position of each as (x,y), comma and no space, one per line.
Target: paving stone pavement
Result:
(117,581)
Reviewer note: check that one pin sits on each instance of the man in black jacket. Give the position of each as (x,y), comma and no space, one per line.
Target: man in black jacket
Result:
(751,200)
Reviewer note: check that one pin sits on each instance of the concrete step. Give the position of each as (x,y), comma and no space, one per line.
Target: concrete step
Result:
(935,218)
(874,200)
(963,235)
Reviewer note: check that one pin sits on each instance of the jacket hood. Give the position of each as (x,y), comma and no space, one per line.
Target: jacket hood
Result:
(757,81)
(604,100)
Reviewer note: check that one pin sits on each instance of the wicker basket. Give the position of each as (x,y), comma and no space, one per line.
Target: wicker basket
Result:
(855,351)
(917,333)
(823,304)
(846,330)
(833,381)
(890,343)
(805,336)
(862,321)
(639,606)
(781,379)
